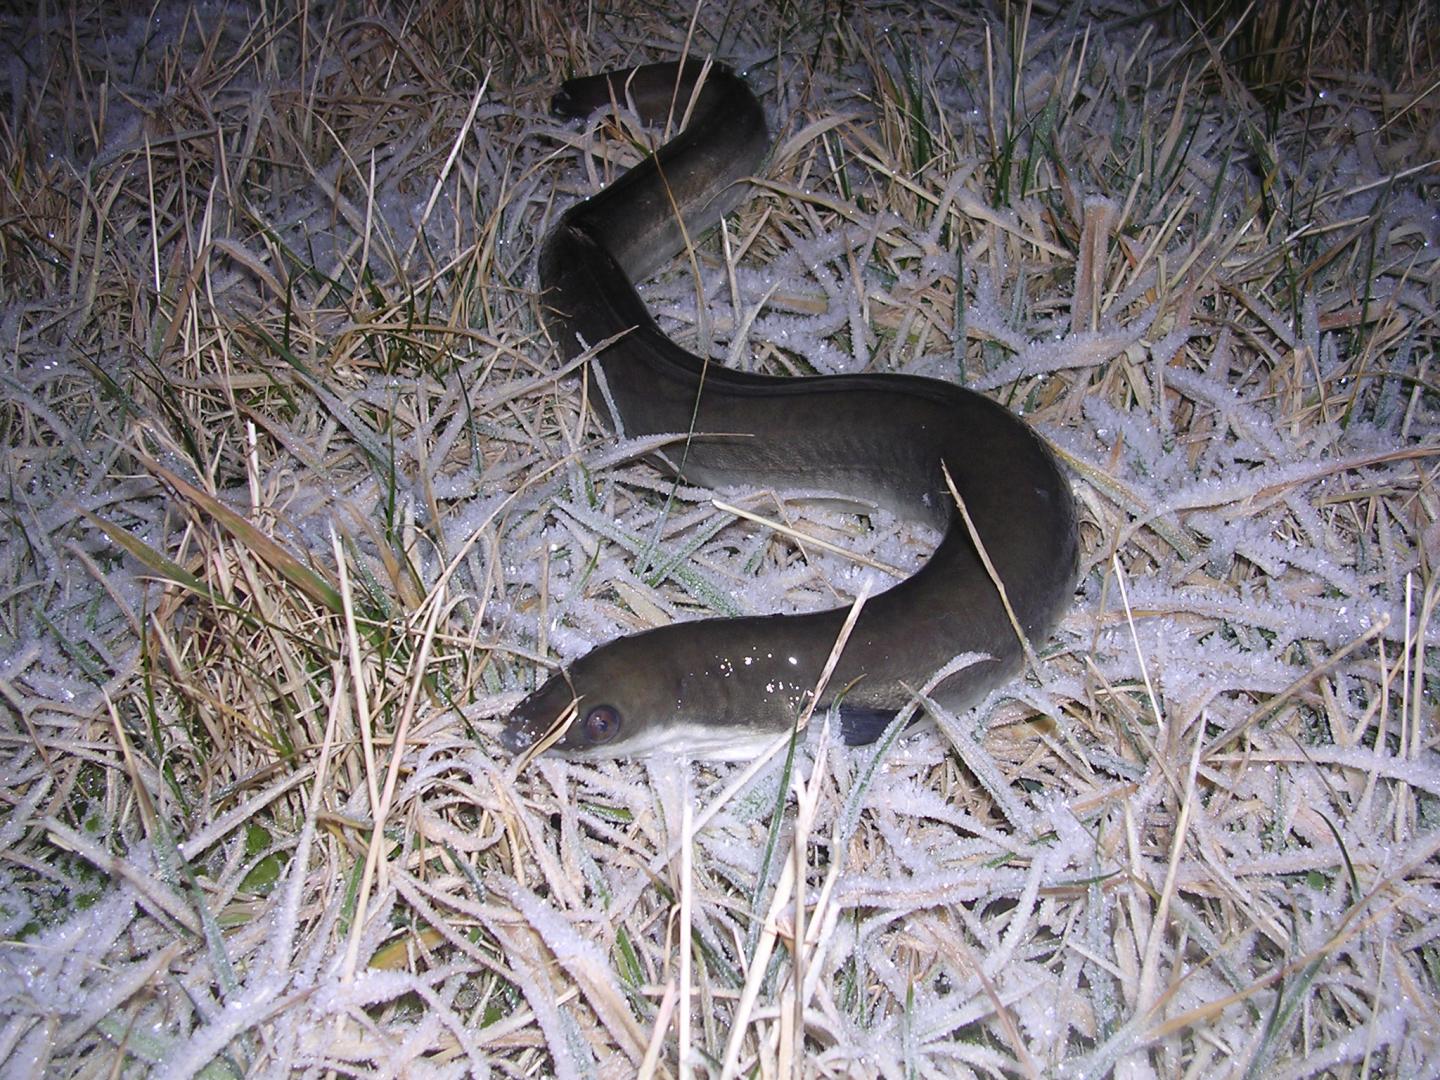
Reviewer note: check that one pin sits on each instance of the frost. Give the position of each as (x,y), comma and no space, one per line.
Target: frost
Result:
(321,348)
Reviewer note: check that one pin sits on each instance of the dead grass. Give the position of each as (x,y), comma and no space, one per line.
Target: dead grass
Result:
(298,505)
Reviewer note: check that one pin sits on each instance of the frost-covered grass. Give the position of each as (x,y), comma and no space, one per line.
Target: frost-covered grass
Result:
(299,505)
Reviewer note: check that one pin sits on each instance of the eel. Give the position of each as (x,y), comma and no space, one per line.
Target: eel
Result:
(718,688)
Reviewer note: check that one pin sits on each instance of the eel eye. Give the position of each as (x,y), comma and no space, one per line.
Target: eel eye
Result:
(602,723)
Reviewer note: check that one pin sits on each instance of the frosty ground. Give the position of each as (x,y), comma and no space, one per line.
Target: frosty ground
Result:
(300,503)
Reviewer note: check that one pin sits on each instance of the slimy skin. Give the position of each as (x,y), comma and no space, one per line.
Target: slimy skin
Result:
(718,687)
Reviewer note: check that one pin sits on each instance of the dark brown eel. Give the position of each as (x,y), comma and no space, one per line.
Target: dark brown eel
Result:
(715,688)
